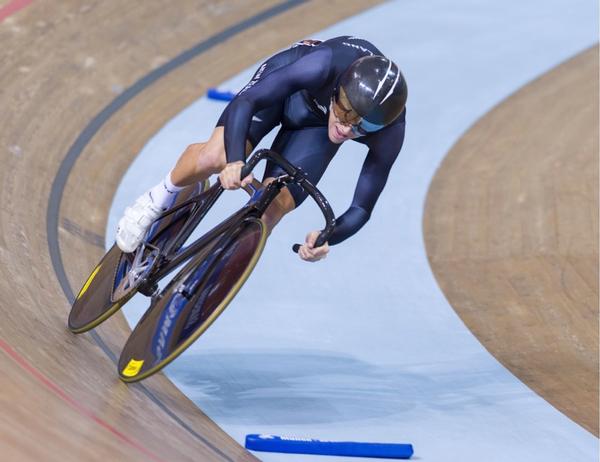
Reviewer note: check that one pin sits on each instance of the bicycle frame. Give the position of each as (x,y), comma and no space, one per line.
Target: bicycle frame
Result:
(167,259)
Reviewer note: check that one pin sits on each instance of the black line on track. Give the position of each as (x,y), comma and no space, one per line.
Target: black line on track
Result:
(66,166)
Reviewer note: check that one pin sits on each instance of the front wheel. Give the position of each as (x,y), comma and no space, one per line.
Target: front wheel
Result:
(119,275)
(112,283)
(192,301)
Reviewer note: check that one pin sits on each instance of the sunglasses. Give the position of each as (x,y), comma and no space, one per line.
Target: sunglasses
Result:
(362,127)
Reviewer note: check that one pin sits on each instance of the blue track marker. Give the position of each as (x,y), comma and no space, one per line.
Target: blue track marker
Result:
(291,445)
(220,95)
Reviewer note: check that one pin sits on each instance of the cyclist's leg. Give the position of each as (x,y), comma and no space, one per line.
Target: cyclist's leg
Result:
(196,164)
(200,160)
(309,149)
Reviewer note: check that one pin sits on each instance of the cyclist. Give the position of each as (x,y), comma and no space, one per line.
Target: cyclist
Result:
(322,93)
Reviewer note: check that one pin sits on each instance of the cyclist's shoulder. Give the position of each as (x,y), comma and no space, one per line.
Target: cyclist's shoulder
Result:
(345,47)
(351,45)
(313,62)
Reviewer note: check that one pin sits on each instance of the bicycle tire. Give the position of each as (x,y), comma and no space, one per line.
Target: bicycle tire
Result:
(174,322)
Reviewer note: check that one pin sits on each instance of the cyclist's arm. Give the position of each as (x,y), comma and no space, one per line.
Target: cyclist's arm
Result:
(382,154)
(309,72)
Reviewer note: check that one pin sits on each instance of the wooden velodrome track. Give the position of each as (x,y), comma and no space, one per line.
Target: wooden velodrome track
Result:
(66,67)
(511,227)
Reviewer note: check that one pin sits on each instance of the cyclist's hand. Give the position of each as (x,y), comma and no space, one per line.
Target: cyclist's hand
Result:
(308,251)
(230,176)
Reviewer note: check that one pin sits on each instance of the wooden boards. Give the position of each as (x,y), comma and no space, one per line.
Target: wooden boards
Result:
(511,229)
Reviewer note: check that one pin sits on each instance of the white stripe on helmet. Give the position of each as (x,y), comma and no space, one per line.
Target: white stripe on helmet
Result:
(391,89)
(383,80)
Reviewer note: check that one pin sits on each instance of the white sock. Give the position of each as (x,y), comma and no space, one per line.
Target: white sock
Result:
(165,193)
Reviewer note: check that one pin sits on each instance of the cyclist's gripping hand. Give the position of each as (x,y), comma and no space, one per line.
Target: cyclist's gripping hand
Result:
(308,251)
(230,176)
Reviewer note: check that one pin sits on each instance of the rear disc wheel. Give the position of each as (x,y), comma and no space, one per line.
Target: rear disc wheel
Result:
(192,302)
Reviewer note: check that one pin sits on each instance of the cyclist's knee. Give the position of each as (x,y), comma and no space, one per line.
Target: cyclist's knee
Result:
(194,149)
(281,205)
(285,201)
(210,156)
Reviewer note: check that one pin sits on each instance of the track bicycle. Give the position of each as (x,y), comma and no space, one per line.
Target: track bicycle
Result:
(216,266)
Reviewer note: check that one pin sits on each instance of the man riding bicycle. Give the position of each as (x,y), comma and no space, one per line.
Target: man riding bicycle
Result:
(322,94)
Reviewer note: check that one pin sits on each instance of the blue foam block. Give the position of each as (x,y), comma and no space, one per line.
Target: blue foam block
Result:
(291,445)
(221,95)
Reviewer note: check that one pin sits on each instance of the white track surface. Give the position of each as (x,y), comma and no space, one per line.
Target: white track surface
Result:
(364,346)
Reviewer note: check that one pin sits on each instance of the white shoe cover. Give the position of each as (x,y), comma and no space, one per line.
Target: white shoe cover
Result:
(135,223)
